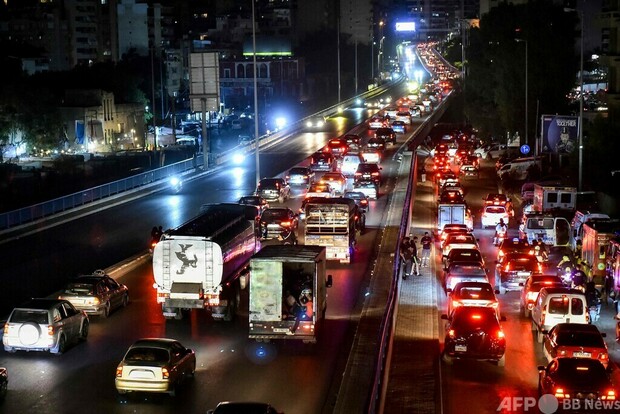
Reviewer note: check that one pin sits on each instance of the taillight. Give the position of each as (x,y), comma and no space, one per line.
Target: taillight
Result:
(500,334)
(119,371)
(375,174)
(50,330)
(285,223)
(603,356)
(164,373)
(451,333)
(6,328)
(531,296)
(507,267)
(610,395)
(456,304)
(559,393)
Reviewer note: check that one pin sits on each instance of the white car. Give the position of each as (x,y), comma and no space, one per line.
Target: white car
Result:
(459,241)
(45,325)
(369,189)
(472,294)
(336,180)
(404,117)
(376,122)
(320,190)
(349,164)
(491,215)
(464,272)
(491,151)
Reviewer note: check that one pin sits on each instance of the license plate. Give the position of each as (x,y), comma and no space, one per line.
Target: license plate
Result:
(281,330)
(169,314)
(523,274)
(142,374)
(582,354)
(460,348)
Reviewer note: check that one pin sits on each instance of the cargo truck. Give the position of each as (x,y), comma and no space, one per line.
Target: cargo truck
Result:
(288,297)
(333,223)
(597,237)
(200,264)
(453,214)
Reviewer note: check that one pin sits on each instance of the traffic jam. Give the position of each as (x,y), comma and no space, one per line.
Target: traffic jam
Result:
(541,260)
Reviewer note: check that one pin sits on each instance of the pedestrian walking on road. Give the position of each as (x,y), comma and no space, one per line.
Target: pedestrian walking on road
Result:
(427,244)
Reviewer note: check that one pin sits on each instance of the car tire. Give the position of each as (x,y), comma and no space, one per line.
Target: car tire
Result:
(502,361)
(192,372)
(448,360)
(3,390)
(106,310)
(173,391)
(62,345)
(125,301)
(84,330)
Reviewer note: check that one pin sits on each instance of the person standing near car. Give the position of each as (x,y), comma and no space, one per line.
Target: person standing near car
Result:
(427,244)
(415,259)
(406,256)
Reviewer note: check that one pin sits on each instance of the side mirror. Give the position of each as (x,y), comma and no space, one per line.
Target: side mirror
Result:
(330,281)
(502,319)
(444,316)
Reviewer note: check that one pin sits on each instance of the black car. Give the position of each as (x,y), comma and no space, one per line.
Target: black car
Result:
(368,171)
(352,139)
(376,143)
(451,197)
(514,269)
(474,332)
(274,221)
(576,379)
(253,200)
(273,189)
(360,199)
(387,134)
(321,161)
(515,245)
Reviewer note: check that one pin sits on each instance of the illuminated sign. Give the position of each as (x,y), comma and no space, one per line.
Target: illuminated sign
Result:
(405,27)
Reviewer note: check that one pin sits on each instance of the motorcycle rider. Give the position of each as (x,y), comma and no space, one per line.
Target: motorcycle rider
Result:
(500,231)
(593,299)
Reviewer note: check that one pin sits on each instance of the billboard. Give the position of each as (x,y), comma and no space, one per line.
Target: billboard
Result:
(405,26)
(559,133)
(204,81)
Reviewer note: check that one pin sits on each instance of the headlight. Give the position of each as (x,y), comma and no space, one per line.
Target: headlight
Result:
(174,181)
(238,158)
(308,124)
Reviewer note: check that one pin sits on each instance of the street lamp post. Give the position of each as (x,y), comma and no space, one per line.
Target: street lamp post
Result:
(580,126)
(256,141)
(527,141)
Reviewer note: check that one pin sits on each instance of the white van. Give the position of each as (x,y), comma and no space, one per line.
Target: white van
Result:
(518,169)
(558,305)
(576,225)
(554,231)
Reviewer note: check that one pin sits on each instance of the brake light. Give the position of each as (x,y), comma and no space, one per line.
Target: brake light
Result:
(456,304)
(559,393)
(6,328)
(364,202)
(375,174)
(603,356)
(476,316)
(531,296)
(500,334)
(507,267)
(451,333)
(119,371)
(611,395)
(164,373)
(285,223)
(50,330)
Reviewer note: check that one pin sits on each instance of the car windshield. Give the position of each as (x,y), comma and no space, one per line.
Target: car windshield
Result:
(536,286)
(581,370)
(40,317)
(592,339)
(525,262)
(270,214)
(269,184)
(297,171)
(460,238)
(80,288)
(384,131)
(319,189)
(474,292)
(495,210)
(147,354)
(465,254)
(475,320)
(251,200)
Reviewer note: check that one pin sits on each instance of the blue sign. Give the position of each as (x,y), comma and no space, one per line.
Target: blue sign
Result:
(525,149)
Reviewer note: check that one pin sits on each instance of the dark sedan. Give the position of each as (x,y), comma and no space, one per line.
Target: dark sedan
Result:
(575,380)
(274,221)
(475,333)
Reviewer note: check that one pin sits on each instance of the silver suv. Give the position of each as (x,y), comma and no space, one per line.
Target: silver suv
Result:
(44,325)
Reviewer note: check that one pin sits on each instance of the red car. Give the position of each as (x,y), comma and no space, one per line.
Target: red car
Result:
(576,340)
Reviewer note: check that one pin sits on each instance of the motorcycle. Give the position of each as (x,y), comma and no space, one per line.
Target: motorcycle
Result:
(594,312)
(500,236)
(288,237)
(176,184)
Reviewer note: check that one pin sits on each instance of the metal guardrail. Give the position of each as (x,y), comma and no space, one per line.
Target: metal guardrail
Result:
(61,204)
(388,322)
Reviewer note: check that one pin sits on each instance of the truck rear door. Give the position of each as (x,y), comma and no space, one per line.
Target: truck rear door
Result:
(266,291)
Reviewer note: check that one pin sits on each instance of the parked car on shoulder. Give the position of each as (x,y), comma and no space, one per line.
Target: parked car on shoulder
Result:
(44,325)
(96,294)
